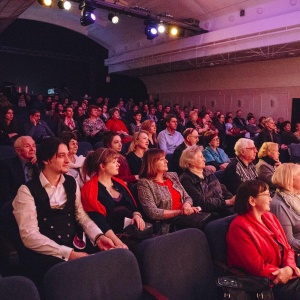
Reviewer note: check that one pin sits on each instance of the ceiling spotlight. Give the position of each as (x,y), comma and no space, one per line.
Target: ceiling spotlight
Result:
(45,2)
(113,18)
(151,29)
(87,16)
(174,31)
(161,28)
(64,4)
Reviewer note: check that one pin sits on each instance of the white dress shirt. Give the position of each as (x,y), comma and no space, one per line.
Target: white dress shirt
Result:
(26,217)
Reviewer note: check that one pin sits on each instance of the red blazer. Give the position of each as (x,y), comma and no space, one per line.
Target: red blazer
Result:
(89,195)
(252,247)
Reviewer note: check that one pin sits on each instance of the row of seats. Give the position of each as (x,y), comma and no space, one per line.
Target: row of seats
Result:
(174,266)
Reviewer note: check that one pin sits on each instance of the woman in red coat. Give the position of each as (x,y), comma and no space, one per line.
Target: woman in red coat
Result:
(257,244)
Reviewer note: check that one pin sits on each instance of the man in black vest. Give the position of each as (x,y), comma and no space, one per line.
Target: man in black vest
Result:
(49,212)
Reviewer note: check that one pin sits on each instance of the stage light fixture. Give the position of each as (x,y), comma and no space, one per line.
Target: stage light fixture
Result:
(151,29)
(161,28)
(64,4)
(87,16)
(174,31)
(45,2)
(113,18)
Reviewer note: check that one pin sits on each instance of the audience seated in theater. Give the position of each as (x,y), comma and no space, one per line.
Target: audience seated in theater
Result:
(202,185)
(219,124)
(93,126)
(297,131)
(8,127)
(194,123)
(181,126)
(4,102)
(268,134)
(257,243)
(135,126)
(48,211)
(105,116)
(240,122)
(190,138)
(287,137)
(279,123)
(150,127)
(251,127)
(261,122)
(152,115)
(105,198)
(268,161)
(241,168)
(75,162)
(37,128)
(214,155)
(113,141)
(162,196)
(67,123)
(115,124)
(286,202)
(16,171)
(136,150)
(169,138)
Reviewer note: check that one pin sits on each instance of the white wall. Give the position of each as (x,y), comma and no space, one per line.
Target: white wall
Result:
(263,88)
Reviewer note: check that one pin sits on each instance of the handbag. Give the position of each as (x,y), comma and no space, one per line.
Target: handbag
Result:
(245,288)
(136,234)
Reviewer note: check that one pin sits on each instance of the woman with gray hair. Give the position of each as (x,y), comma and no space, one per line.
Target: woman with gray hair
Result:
(286,202)
(202,185)
(268,160)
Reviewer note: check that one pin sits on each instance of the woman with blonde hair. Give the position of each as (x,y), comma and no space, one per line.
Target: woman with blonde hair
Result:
(105,198)
(268,161)
(286,202)
(150,127)
(135,153)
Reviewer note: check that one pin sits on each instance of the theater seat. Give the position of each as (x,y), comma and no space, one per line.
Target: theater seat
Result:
(178,265)
(108,275)
(18,287)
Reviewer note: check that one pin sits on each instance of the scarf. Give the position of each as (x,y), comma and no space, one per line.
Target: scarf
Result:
(269,160)
(293,200)
(70,123)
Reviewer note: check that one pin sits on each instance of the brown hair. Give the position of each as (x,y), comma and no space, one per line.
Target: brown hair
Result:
(91,165)
(146,126)
(150,158)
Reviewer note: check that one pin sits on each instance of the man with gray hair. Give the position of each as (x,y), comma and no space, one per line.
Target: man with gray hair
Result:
(241,168)
(16,171)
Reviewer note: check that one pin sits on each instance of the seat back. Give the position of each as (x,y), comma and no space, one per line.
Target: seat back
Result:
(178,265)
(84,148)
(216,232)
(294,152)
(18,287)
(7,152)
(106,275)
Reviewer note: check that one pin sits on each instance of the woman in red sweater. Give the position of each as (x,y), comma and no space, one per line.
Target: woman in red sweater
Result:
(256,241)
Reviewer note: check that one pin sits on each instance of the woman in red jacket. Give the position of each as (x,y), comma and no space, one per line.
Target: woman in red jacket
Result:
(256,241)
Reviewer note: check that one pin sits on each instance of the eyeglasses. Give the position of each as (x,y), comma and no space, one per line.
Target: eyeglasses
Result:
(264,194)
(252,148)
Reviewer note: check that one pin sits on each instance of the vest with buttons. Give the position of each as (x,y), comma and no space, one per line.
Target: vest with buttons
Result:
(57,224)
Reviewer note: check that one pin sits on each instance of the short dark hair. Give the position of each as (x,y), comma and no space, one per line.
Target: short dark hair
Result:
(227,119)
(33,112)
(245,191)
(250,117)
(169,117)
(48,148)
(284,123)
(67,136)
